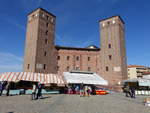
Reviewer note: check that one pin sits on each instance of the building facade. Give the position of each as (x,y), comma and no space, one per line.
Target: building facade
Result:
(43,56)
(137,71)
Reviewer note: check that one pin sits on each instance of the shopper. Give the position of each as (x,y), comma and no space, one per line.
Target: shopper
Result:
(89,91)
(127,91)
(85,90)
(1,88)
(81,90)
(132,92)
(34,89)
(39,93)
(7,89)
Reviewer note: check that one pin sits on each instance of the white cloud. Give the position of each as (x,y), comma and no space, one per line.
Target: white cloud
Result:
(10,62)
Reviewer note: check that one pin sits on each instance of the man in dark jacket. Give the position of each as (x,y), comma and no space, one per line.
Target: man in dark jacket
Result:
(39,93)
(132,92)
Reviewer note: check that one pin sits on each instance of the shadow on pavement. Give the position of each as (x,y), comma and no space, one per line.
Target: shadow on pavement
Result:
(45,97)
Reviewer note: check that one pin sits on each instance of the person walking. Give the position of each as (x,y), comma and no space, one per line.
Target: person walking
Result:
(127,91)
(1,88)
(34,89)
(132,92)
(39,93)
(7,89)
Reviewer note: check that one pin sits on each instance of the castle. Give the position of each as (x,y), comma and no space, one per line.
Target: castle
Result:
(43,56)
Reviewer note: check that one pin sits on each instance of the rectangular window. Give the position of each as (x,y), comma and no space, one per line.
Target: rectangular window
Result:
(67,68)
(46,41)
(89,68)
(68,57)
(77,58)
(109,46)
(110,57)
(47,24)
(46,33)
(45,53)
(44,67)
(107,68)
(58,68)
(88,58)
(58,58)
(47,17)
(28,66)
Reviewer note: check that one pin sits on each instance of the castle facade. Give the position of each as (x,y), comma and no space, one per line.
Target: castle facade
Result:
(43,56)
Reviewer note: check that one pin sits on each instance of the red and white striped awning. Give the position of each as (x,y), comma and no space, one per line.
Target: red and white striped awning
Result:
(34,77)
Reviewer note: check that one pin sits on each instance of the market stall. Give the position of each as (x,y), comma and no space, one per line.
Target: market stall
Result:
(84,77)
(33,77)
(76,79)
(142,85)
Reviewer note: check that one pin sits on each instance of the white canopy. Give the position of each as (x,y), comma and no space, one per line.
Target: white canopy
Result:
(34,77)
(83,77)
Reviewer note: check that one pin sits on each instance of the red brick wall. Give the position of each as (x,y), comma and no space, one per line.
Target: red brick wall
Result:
(83,63)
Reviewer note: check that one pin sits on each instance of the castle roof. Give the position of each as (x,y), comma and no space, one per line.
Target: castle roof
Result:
(89,48)
(112,17)
(42,10)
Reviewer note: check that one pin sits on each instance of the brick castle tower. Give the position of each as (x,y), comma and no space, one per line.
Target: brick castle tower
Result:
(40,54)
(113,53)
(43,56)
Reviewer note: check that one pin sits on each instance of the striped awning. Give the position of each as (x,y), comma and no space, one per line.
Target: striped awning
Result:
(34,77)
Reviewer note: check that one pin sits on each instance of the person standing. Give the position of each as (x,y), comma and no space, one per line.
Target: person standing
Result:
(85,90)
(81,90)
(89,91)
(34,89)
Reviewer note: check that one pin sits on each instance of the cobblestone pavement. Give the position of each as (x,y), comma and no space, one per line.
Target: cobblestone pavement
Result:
(112,103)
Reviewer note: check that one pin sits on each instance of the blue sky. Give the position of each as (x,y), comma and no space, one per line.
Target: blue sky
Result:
(77,25)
